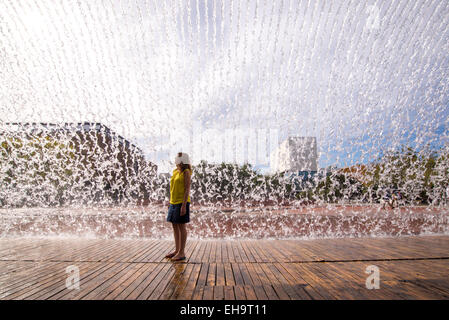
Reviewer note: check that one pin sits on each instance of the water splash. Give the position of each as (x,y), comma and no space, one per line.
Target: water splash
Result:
(369,80)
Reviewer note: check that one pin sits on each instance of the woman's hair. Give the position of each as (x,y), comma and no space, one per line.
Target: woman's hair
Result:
(183,165)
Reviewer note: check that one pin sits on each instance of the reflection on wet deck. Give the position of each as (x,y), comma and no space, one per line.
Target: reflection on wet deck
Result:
(410,268)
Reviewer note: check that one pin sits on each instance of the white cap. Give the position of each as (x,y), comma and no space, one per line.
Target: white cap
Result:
(184,158)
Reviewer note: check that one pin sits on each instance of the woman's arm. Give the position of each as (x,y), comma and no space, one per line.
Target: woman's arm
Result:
(186,191)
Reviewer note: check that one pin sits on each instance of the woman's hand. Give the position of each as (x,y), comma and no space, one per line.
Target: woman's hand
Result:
(183,209)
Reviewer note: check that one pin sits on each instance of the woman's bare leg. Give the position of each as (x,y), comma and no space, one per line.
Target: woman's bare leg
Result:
(182,240)
(179,239)
(176,235)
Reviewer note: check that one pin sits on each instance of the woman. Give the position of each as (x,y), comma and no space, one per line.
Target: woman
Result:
(179,208)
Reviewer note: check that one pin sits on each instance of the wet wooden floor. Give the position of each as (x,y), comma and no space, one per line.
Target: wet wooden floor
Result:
(409,268)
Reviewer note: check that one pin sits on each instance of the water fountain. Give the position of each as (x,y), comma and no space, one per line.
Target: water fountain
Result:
(94,95)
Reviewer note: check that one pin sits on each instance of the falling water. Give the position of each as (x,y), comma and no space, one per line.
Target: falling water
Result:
(96,98)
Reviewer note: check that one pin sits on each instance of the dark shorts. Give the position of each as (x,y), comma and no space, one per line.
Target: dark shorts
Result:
(174,213)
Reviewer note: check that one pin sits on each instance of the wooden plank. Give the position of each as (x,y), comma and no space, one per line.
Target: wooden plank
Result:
(113,255)
(224,253)
(208,293)
(272,251)
(229,293)
(269,290)
(314,281)
(201,282)
(255,252)
(282,251)
(92,268)
(283,282)
(60,285)
(230,251)
(323,251)
(194,255)
(27,251)
(212,274)
(198,292)
(218,253)
(355,272)
(408,248)
(201,252)
(394,271)
(237,275)
(138,249)
(235,251)
(436,286)
(259,245)
(329,285)
(127,281)
(10,248)
(308,253)
(356,280)
(151,255)
(202,278)
(144,281)
(245,274)
(347,287)
(247,251)
(189,249)
(439,244)
(35,284)
(74,254)
(96,282)
(100,252)
(169,282)
(136,283)
(148,286)
(111,269)
(84,253)
(141,255)
(297,251)
(91,282)
(212,257)
(9,269)
(241,251)
(260,292)
(218,292)
(369,250)
(229,276)
(434,272)
(249,292)
(292,284)
(220,280)
(24,275)
(187,293)
(207,249)
(300,284)
(275,282)
(239,292)
(25,284)
(182,282)
(261,274)
(101,290)
(409,290)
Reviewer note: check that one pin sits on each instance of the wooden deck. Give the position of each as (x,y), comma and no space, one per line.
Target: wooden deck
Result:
(410,268)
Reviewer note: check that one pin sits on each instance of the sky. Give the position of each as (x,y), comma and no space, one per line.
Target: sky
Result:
(212,77)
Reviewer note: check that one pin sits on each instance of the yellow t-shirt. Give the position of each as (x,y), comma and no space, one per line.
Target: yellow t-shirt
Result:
(177,187)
